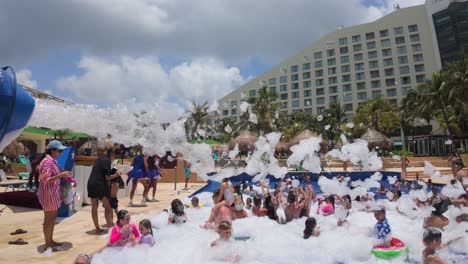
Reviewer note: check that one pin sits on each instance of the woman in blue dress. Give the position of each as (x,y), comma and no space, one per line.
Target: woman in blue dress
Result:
(138,174)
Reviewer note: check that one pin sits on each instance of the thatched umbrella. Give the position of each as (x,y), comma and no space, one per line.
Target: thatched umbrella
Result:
(14,149)
(220,148)
(282,147)
(376,139)
(246,141)
(306,134)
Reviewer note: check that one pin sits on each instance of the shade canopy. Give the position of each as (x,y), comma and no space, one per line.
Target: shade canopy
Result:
(376,139)
(246,141)
(306,134)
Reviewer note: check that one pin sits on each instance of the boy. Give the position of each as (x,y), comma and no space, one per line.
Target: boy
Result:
(224,231)
(382,230)
(432,239)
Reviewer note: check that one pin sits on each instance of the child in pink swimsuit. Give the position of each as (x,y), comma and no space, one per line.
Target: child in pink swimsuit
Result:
(124,232)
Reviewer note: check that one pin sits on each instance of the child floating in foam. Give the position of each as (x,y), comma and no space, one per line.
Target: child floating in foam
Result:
(432,239)
(146,231)
(311,228)
(382,230)
(177,215)
(194,203)
(224,231)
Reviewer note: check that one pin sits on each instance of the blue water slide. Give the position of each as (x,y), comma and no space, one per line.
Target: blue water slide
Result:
(16,107)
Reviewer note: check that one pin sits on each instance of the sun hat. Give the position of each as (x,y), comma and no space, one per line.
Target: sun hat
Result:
(55,144)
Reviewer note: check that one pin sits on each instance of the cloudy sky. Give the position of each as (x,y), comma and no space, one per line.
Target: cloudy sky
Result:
(163,52)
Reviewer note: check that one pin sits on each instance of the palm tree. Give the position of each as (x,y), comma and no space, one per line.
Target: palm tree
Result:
(264,107)
(335,117)
(377,113)
(458,83)
(226,136)
(198,118)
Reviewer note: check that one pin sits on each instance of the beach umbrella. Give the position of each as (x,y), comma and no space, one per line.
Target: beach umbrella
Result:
(376,139)
(246,141)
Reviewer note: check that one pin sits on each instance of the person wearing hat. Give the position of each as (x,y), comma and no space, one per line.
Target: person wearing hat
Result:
(49,190)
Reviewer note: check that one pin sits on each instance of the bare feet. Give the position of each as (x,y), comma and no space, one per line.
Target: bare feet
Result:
(99,230)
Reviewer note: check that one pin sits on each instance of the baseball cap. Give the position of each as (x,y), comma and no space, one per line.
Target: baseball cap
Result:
(55,144)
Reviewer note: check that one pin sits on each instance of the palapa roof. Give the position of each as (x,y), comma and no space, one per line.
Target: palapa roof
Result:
(376,139)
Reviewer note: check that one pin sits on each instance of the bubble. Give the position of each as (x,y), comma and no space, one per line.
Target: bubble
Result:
(327,127)
(350,125)
(228,129)
(319,118)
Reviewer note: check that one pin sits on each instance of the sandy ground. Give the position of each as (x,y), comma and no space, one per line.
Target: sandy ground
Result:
(75,232)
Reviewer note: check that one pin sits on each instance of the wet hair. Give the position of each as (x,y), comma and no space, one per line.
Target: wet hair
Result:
(225,225)
(348,197)
(257,201)
(310,225)
(331,199)
(398,193)
(147,224)
(195,199)
(225,180)
(431,234)
(121,215)
(151,163)
(440,205)
(291,197)
(177,207)
(237,188)
(271,212)
(245,186)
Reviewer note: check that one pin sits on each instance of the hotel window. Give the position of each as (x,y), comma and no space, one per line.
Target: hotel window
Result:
(307,93)
(318,64)
(345,68)
(375,84)
(318,73)
(358,57)
(333,99)
(356,38)
(419,68)
(233,104)
(307,102)
(319,82)
(272,81)
(371,45)
(295,95)
(344,59)
(375,74)
(384,33)
(294,77)
(348,107)
(405,80)
(401,50)
(284,105)
(420,78)
(373,64)
(416,47)
(330,53)
(361,85)
(389,72)
(306,75)
(320,109)
(233,111)
(294,68)
(348,97)
(225,105)
(362,96)
(372,54)
(305,66)
(403,60)
(343,41)
(320,91)
(283,88)
(385,43)
(273,89)
(413,28)
(283,79)
(344,50)
(320,100)
(398,31)
(346,78)
(386,52)
(357,47)
(318,55)
(414,38)
(346,88)
(331,80)
(404,70)
(331,62)
(405,90)
(400,40)
(284,96)
(391,92)
(360,76)
(252,93)
(294,86)
(308,111)
(390,82)
(388,62)
(359,66)
(370,36)
(332,71)
(285,113)
(307,84)
(376,94)
(332,89)
(225,112)
(418,58)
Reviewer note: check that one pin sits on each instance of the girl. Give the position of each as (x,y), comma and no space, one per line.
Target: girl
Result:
(123,232)
(153,175)
(177,215)
(187,166)
(146,233)
(225,198)
(311,228)
(224,231)
(138,174)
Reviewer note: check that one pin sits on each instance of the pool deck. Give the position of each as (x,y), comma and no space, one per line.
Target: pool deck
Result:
(75,232)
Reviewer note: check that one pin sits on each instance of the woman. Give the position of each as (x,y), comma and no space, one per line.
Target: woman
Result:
(98,187)
(138,174)
(49,190)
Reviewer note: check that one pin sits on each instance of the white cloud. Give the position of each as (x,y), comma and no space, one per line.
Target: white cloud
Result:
(24,77)
(145,80)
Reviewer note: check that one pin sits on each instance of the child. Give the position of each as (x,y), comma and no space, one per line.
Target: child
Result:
(432,239)
(311,228)
(154,176)
(123,232)
(224,231)
(177,215)
(115,185)
(248,204)
(146,233)
(257,207)
(382,230)
(195,202)
(224,198)
(187,166)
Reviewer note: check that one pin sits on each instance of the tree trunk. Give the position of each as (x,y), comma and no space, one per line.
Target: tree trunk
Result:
(402,138)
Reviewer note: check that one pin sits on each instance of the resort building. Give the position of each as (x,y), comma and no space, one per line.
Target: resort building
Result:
(386,57)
